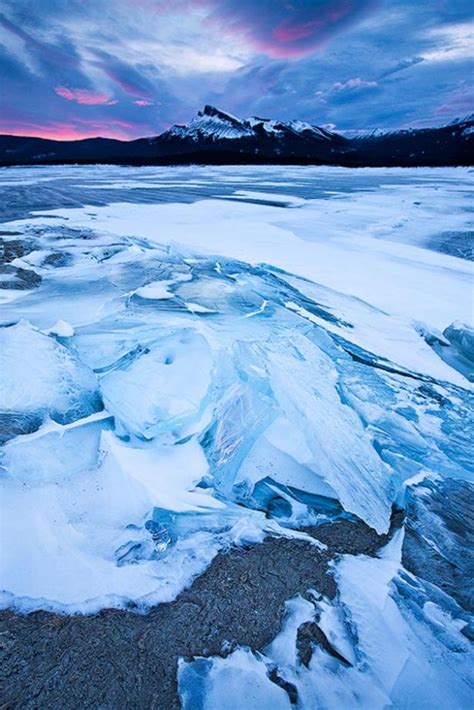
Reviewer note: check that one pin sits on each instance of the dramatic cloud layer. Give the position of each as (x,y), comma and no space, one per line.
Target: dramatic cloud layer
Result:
(288,29)
(129,68)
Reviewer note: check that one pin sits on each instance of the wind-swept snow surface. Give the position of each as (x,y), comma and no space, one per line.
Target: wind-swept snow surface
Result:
(231,353)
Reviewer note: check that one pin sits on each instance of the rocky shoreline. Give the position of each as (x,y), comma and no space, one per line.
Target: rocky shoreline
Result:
(122,659)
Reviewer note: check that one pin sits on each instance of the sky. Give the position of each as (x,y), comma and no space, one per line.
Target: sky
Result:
(131,68)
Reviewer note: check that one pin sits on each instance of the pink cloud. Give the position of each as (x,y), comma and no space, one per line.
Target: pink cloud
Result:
(83,96)
(292,33)
(143,102)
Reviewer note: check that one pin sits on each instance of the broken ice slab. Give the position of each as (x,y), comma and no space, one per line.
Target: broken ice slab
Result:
(234,289)
(161,389)
(459,349)
(401,649)
(461,336)
(242,409)
(15,423)
(54,452)
(439,533)
(167,527)
(288,504)
(294,378)
(279,475)
(40,377)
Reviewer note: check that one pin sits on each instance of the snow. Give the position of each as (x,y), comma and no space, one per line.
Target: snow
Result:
(301,126)
(61,328)
(282,649)
(219,126)
(240,680)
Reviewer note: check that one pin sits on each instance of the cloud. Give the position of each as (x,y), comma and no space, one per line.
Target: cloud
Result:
(126,76)
(61,56)
(352,84)
(458,104)
(452,42)
(280,28)
(143,102)
(401,66)
(83,96)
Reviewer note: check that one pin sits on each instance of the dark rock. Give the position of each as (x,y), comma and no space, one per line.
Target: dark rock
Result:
(14,248)
(13,277)
(309,635)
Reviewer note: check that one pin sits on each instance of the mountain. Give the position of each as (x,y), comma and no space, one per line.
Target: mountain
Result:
(216,137)
(211,124)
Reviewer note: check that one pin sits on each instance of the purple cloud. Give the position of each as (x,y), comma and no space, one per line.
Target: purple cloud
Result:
(127,77)
(459,103)
(280,28)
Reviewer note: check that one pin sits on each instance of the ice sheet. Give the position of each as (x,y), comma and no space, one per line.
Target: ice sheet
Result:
(192,370)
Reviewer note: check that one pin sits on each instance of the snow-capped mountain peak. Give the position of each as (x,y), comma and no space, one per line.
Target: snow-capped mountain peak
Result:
(213,112)
(211,123)
(302,127)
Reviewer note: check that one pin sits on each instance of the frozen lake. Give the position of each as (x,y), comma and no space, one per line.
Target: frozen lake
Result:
(194,357)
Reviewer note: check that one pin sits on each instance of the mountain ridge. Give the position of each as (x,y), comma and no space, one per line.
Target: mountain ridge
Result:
(216,137)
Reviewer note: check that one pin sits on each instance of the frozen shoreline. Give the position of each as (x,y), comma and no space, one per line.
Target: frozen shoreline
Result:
(217,612)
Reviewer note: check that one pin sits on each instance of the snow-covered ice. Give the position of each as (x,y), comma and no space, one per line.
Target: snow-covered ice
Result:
(245,352)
